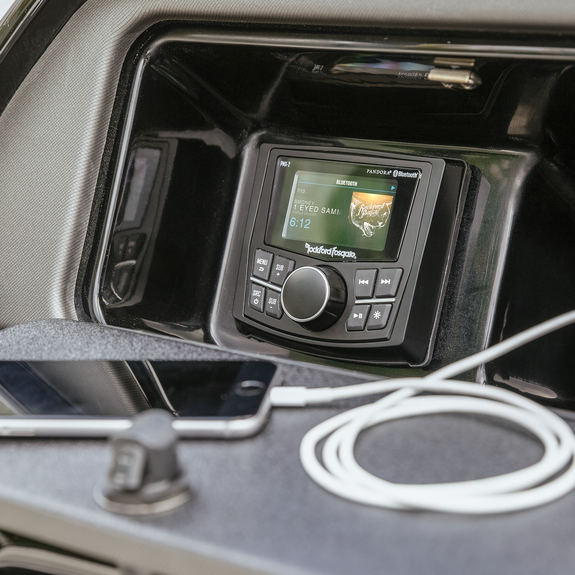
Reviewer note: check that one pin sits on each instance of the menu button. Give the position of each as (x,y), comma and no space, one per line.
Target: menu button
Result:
(262,264)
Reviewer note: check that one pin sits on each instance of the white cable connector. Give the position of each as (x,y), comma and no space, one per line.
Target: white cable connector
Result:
(300,396)
(552,477)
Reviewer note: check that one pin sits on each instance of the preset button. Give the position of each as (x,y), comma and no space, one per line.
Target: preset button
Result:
(262,264)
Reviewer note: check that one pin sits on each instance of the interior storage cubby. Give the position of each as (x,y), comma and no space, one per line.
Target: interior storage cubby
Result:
(202,100)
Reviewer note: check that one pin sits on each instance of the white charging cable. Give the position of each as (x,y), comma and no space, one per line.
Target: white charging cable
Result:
(550,478)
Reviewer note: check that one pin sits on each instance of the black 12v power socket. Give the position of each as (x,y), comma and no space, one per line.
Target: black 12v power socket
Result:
(145,476)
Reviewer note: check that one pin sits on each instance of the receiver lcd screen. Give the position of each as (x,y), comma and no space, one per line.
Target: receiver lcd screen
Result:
(339,210)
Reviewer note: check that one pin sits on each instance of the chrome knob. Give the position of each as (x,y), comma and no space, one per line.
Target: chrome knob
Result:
(314,297)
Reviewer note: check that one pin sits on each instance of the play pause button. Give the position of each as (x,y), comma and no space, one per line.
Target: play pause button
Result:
(357,318)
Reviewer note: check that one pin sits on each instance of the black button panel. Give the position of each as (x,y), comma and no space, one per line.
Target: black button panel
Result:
(370,284)
(119,248)
(363,283)
(262,264)
(133,246)
(276,269)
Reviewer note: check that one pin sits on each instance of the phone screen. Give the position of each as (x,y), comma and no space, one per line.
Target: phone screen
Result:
(224,390)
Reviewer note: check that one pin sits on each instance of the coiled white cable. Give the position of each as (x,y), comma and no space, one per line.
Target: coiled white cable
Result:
(550,478)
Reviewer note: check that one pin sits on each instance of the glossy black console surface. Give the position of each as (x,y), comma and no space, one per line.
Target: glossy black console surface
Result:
(196,107)
(538,284)
(205,105)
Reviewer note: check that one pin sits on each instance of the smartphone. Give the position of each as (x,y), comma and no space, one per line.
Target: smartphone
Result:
(220,399)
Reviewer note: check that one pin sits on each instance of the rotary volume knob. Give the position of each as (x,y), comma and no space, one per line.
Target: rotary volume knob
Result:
(314,297)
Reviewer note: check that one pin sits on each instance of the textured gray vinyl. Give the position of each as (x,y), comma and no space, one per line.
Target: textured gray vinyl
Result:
(67,340)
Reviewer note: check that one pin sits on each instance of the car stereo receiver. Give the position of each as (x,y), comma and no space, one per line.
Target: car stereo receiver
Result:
(349,252)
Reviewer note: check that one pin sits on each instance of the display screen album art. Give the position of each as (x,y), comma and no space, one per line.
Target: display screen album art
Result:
(370,212)
(340,210)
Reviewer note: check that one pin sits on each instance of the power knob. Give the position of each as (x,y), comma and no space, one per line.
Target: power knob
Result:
(314,297)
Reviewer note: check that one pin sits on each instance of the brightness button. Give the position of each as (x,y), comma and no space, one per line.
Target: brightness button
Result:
(378,316)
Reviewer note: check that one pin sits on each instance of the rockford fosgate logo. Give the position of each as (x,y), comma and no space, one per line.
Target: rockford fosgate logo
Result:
(333,252)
